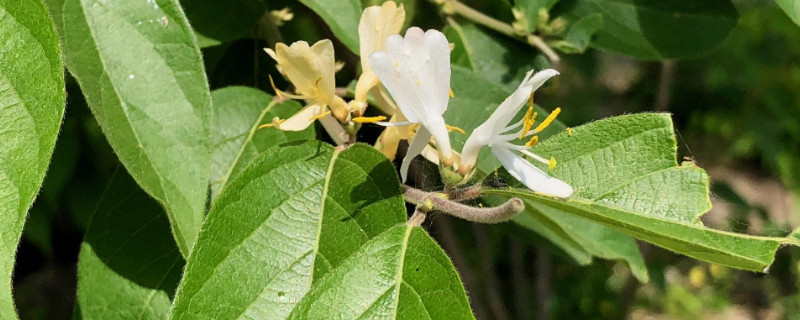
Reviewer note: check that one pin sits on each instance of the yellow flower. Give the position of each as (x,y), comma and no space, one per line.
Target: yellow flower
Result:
(311,70)
(377,24)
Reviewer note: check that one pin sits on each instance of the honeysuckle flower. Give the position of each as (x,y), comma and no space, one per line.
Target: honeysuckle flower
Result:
(311,70)
(416,71)
(495,132)
(376,25)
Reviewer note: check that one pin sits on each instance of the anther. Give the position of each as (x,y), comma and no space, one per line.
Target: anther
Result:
(532,143)
(451,93)
(548,120)
(368,119)
(552,164)
(454,128)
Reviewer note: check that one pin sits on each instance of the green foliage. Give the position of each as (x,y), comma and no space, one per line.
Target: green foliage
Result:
(410,277)
(623,166)
(238,111)
(31,107)
(212,212)
(273,244)
(792,9)
(656,30)
(217,22)
(140,69)
(129,265)
(341,16)
(579,36)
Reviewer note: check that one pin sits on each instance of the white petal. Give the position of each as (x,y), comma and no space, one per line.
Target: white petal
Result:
(383,65)
(414,149)
(435,125)
(512,105)
(416,72)
(533,177)
(439,49)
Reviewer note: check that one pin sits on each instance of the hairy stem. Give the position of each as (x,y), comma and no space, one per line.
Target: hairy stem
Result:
(437,201)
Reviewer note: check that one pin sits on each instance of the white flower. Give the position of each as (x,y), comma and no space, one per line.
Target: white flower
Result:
(495,133)
(416,71)
(376,25)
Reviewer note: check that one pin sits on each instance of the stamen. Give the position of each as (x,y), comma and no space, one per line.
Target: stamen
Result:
(451,93)
(532,143)
(282,94)
(321,115)
(552,164)
(548,120)
(368,119)
(274,88)
(529,119)
(275,123)
(569,131)
(535,157)
(454,128)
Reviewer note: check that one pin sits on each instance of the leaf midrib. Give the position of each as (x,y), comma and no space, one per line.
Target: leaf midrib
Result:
(224,181)
(658,233)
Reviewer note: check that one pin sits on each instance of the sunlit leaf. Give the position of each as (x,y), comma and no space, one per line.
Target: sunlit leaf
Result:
(31,107)
(400,274)
(140,69)
(238,111)
(626,177)
(288,219)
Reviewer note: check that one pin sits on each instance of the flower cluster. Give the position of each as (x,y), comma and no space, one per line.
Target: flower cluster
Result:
(415,70)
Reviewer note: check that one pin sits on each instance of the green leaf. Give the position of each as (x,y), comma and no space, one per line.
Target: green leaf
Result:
(626,177)
(342,16)
(292,216)
(531,10)
(238,111)
(475,98)
(792,9)
(657,30)
(32,101)
(140,69)
(400,274)
(496,58)
(580,34)
(216,22)
(129,266)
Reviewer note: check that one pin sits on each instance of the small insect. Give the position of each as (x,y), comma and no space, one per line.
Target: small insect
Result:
(496,182)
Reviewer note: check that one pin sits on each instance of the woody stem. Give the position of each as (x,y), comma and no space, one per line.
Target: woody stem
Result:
(437,201)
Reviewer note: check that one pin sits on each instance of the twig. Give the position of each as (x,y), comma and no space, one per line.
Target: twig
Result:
(335,130)
(501,27)
(437,201)
(487,264)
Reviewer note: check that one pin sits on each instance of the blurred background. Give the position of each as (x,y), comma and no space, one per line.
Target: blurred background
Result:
(736,110)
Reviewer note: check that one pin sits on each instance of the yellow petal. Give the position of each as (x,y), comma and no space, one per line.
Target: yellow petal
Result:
(378,23)
(302,119)
(310,69)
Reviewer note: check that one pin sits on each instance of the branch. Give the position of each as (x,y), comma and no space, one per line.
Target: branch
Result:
(501,27)
(437,201)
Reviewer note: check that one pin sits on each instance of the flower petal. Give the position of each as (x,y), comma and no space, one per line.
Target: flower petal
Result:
(302,119)
(531,176)
(416,146)
(418,81)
